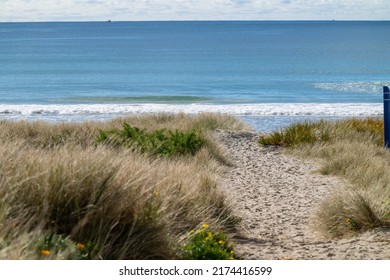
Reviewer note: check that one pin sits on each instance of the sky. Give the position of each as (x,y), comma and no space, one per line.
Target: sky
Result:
(146,10)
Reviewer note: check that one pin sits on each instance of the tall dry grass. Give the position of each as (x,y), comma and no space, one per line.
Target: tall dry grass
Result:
(41,134)
(56,180)
(352,149)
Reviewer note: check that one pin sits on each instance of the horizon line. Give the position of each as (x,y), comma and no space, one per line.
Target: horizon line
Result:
(206,20)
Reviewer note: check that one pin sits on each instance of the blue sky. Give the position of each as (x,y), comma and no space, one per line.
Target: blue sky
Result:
(91,10)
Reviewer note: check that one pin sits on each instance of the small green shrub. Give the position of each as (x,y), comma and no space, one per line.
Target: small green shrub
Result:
(204,244)
(86,251)
(53,244)
(159,142)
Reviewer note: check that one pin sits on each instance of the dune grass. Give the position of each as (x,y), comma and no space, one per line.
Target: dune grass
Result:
(352,149)
(66,195)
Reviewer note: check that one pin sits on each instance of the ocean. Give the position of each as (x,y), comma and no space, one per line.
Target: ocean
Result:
(269,73)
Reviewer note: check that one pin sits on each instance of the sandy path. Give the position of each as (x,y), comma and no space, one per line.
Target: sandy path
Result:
(277,196)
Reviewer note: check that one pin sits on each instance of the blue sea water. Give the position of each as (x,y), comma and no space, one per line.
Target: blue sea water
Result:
(267,72)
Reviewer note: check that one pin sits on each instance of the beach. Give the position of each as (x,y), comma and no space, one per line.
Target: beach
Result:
(118,116)
(277,195)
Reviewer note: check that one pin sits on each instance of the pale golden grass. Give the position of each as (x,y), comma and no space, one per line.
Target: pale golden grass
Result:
(348,212)
(48,135)
(55,179)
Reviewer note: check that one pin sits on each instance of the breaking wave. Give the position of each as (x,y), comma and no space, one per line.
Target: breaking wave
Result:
(274,109)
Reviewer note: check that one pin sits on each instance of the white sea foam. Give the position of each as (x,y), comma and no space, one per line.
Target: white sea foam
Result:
(274,109)
(356,87)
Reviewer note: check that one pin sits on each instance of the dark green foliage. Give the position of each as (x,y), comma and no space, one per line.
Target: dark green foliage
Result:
(159,142)
(53,243)
(204,244)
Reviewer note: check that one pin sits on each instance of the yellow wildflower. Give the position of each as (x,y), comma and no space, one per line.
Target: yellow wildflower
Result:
(232,252)
(45,252)
(156,193)
(231,243)
(205,226)
(221,242)
(80,246)
(209,236)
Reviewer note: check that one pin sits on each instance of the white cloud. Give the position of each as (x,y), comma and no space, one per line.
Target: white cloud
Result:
(79,10)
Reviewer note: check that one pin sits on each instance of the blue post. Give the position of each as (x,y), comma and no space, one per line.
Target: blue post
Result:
(386,115)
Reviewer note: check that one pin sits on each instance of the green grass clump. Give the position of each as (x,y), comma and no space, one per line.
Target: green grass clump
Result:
(300,133)
(204,244)
(305,133)
(159,142)
(352,149)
